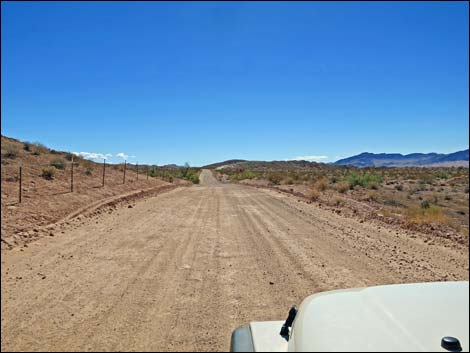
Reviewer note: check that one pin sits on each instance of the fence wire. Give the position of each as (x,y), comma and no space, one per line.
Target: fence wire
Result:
(57,178)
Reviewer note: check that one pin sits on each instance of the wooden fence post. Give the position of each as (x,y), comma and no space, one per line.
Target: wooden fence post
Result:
(20,182)
(104,169)
(137,170)
(124,179)
(147,172)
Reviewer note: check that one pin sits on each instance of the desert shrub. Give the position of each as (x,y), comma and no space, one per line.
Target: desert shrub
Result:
(70,156)
(390,201)
(370,196)
(367,180)
(39,148)
(27,146)
(339,201)
(431,214)
(426,179)
(57,163)
(441,175)
(187,173)
(48,173)
(288,181)
(11,151)
(12,178)
(447,197)
(425,204)
(275,179)
(421,187)
(321,185)
(246,174)
(313,194)
(88,170)
(193,177)
(399,187)
(342,187)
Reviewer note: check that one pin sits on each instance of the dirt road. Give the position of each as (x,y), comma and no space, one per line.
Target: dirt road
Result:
(181,270)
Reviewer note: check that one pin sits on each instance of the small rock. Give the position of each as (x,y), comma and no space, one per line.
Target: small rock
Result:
(130,206)
(271,283)
(51,234)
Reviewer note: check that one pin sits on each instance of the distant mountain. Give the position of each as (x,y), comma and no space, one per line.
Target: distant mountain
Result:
(366,159)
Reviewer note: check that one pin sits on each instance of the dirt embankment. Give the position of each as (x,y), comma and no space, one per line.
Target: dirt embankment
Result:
(182,270)
(47,202)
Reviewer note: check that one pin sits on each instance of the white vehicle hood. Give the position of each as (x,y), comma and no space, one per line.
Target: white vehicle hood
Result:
(406,317)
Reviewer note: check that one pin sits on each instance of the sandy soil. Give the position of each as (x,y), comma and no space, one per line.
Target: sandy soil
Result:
(181,270)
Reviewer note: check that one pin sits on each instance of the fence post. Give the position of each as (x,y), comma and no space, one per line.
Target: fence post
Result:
(71,178)
(21,182)
(124,179)
(104,169)
(137,170)
(147,172)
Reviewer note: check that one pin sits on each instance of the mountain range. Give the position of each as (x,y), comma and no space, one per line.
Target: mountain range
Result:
(367,159)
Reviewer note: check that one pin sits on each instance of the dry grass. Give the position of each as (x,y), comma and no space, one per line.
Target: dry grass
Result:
(342,187)
(339,201)
(313,194)
(430,215)
(321,185)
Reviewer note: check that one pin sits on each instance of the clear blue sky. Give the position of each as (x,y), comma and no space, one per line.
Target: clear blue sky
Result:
(204,82)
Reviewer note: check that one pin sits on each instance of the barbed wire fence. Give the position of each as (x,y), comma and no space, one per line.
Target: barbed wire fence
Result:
(63,175)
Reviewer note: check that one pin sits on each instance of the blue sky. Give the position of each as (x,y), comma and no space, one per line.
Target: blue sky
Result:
(204,82)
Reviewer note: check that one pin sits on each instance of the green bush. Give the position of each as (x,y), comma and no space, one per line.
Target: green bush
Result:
(425,204)
(367,180)
(442,175)
(194,178)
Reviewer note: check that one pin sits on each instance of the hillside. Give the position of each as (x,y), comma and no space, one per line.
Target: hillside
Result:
(224,163)
(366,159)
(268,165)
(46,200)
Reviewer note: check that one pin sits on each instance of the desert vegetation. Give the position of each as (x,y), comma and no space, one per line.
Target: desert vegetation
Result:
(431,198)
(171,173)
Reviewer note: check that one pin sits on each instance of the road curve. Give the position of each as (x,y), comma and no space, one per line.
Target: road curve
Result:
(180,271)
